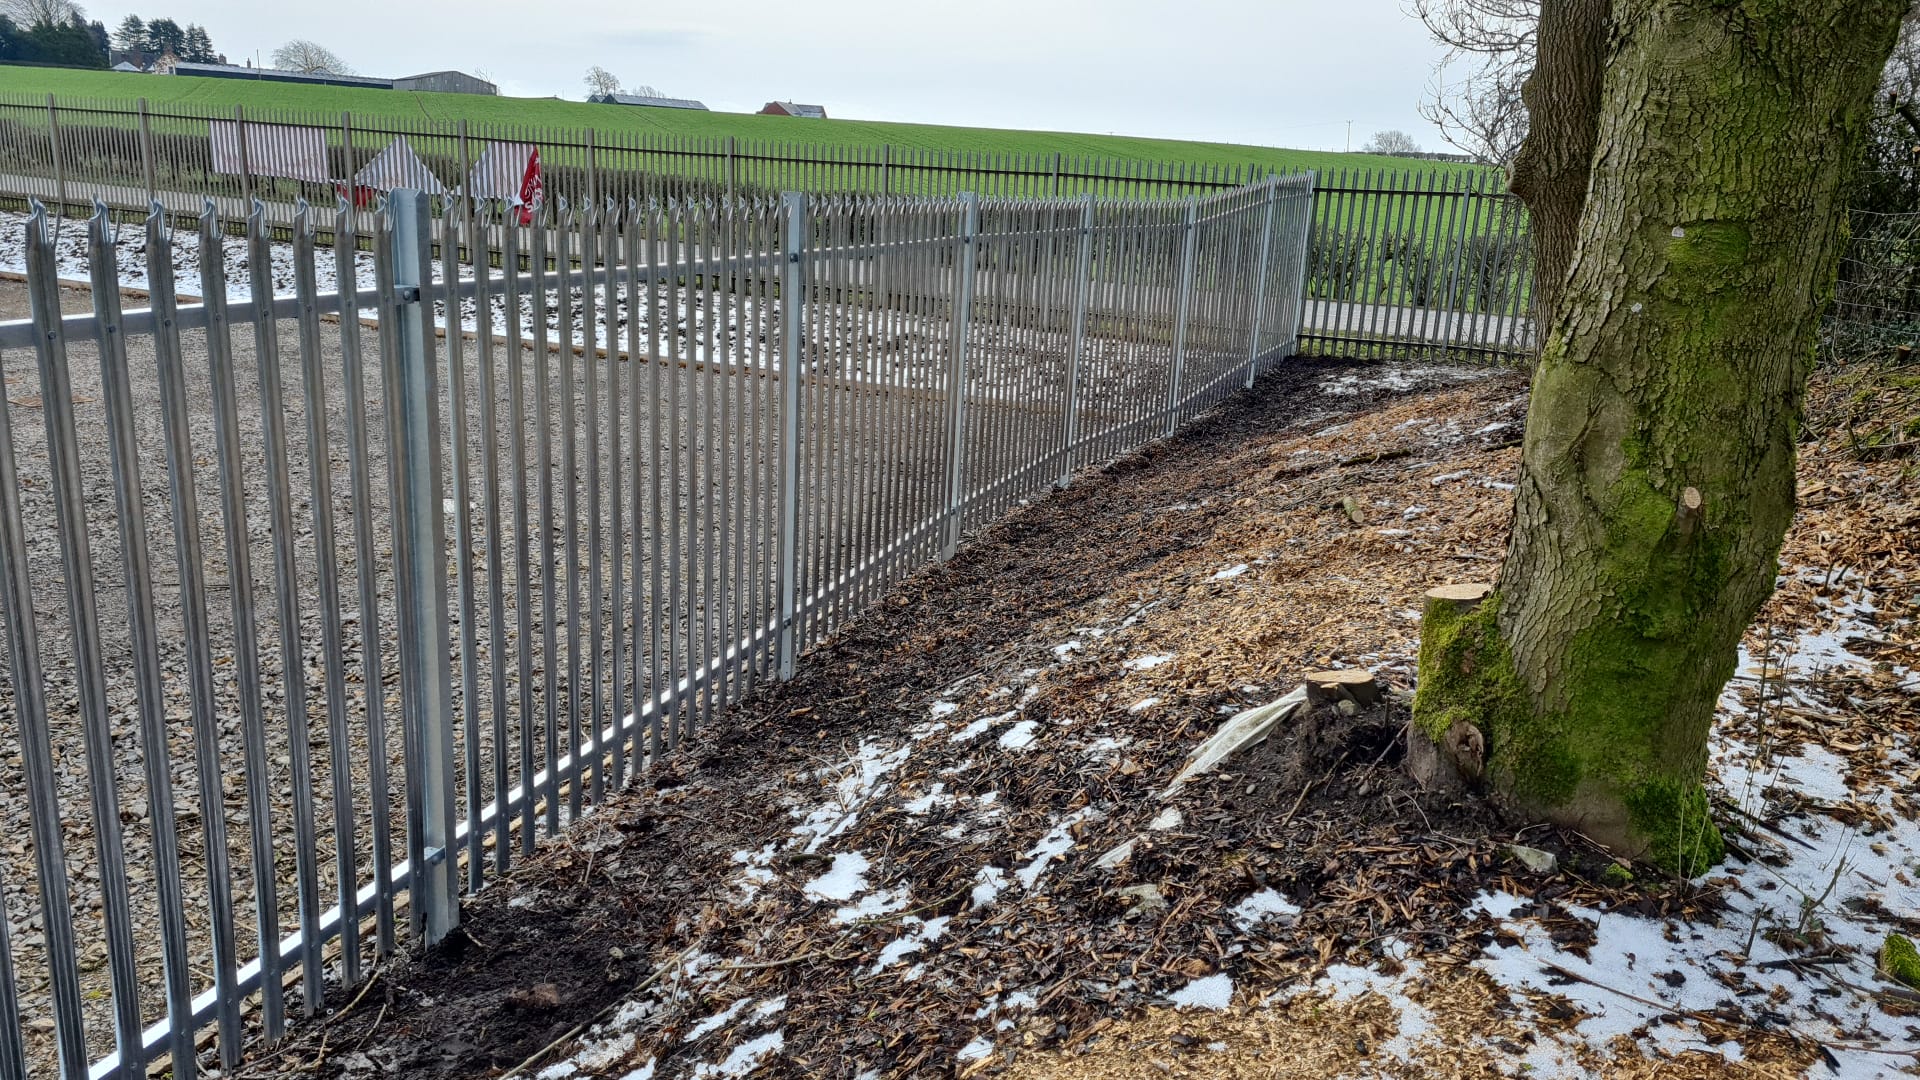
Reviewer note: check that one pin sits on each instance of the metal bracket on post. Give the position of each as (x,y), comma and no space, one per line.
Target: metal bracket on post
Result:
(1260,288)
(793,288)
(1082,288)
(426,664)
(969,257)
(1181,307)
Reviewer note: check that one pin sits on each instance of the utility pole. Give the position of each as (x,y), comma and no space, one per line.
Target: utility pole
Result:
(1349,136)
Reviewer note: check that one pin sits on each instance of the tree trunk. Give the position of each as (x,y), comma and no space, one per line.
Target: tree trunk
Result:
(1657,473)
(1562,96)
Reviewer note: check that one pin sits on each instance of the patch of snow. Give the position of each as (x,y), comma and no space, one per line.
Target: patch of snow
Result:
(879,902)
(1263,905)
(745,1058)
(1393,532)
(1170,818)
(940,710)
(1021,735)
(1143,705)
(1211,992)
(1061,650)
(935,796)
(859,779)
(1445,477)
(978,727)
(644,1072)
(1230,572)
(987,886)
(1842,878)
(1412,512)
(1148,663)
(845,878)
(1057,842)
(975,1050)
(1395,377)
(715,1022)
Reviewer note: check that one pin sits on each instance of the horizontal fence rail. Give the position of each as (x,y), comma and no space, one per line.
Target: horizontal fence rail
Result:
(329,593)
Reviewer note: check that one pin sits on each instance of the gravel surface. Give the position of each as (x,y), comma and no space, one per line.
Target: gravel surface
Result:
(872,470)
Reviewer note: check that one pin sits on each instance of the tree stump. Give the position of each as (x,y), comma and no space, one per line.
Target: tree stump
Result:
(1351,684)
(1462,761)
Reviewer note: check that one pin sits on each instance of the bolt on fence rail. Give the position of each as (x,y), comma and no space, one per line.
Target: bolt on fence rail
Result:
(646,462)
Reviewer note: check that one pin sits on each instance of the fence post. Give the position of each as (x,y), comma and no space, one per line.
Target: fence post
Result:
(346,158)
(1053,182)
(1306,256)
(733,166)
(1260,284)
(793,288)
(147,164)
(957,378)
(59,170)
(420,563)
(1463,203)
(1082,288)
(592,200)
(1181,306)
(246,166)
(886,168)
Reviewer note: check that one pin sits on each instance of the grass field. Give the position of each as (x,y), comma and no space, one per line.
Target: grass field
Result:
(23,84)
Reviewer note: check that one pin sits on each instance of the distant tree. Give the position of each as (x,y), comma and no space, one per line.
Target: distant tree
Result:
(601,81)
(165,36)
(643,90)
(72,44)
(131,35)
(309,57)
(31,13)
(1491,46)
(1391,141)
(198,47)
(13,43)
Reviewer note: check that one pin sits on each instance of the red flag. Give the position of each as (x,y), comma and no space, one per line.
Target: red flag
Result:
(533,188)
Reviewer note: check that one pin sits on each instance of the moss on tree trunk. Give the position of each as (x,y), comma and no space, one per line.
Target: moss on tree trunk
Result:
(1657,474)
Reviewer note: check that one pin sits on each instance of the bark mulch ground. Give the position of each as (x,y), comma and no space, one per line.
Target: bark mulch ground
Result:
(914,860)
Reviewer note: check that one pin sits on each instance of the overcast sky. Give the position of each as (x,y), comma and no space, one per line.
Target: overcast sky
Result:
(1277,73)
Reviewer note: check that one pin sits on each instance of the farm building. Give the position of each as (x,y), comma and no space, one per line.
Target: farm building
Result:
(235,71)
(794,108)
(446,82)
(649,102)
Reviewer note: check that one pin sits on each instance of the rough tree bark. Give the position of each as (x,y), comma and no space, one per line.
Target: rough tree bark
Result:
(1657,474)
(1562,96)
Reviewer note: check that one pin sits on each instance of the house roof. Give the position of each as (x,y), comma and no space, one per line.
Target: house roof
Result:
(126,66)
(652,102)
(812,112)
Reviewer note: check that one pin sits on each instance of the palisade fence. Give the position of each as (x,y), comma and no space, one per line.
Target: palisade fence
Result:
(1418,262)
(1421,261)
(74,150)
(317,617)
